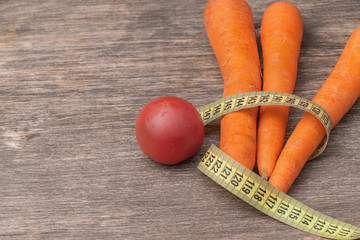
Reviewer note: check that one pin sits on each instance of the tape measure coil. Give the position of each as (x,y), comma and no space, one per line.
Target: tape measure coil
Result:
(256,191)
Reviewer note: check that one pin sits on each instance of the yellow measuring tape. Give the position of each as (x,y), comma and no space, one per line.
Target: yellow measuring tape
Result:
(256,191)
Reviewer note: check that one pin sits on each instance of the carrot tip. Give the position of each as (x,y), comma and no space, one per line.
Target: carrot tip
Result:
(265,176)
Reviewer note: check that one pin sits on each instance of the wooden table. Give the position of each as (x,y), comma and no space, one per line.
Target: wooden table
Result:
(74,76)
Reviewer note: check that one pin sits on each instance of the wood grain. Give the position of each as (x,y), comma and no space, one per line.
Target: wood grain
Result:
(75,74)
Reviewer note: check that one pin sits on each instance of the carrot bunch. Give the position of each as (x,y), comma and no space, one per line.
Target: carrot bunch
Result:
(230,29)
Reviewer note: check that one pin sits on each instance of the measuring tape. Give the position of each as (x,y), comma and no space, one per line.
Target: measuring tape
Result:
(256,191)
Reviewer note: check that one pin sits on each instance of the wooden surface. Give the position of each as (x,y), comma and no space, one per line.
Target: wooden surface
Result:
(73,77)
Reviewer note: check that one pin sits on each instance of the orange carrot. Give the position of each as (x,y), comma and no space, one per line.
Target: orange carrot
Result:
(338,93)
(281,35)
(230,29)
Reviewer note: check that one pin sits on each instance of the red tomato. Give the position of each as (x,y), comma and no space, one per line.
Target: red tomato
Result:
(169,130)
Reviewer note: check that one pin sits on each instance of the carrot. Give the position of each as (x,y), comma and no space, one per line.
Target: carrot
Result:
(338,93)
(230,28)
(281,35)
